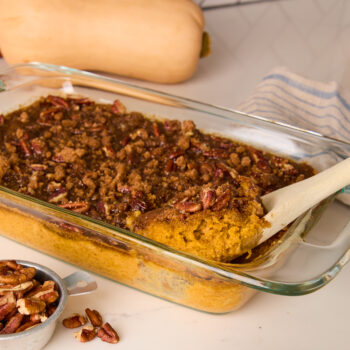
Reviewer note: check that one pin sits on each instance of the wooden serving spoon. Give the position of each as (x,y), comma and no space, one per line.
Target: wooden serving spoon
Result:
(286,204)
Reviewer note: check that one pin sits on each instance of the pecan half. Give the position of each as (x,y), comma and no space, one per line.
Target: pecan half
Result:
(86,334)
(6,309)
(29,306)
(17,276)
(13,324)
(46,292)
(26,325)
(22,287)
(7,298)
(74,321)
(108,334)
(50,310)
(94,317)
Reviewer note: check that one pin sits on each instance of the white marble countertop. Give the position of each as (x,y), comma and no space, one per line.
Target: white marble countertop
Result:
(309,37)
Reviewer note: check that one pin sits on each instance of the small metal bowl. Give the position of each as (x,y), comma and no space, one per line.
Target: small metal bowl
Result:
(36,338)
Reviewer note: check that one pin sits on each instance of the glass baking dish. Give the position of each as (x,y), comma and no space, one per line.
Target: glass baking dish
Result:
(289,265)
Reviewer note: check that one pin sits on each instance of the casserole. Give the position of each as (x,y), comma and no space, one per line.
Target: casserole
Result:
(150,266)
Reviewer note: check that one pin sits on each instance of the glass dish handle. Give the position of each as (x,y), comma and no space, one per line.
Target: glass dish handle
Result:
(310,266)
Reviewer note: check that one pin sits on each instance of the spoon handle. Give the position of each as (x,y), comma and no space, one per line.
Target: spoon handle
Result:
(286,204)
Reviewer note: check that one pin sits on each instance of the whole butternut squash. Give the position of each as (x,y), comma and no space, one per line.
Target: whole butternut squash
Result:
(155,40)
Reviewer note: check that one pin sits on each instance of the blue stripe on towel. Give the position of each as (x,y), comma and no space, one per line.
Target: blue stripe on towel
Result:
(284,120)
(317,116)
(308,89)
(286,92)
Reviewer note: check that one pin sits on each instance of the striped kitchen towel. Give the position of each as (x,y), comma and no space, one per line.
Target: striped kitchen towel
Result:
(286,97)
(289,98)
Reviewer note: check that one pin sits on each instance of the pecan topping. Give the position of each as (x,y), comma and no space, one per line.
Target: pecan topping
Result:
(108,334)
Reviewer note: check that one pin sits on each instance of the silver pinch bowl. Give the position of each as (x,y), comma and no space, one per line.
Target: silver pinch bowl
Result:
(36,338)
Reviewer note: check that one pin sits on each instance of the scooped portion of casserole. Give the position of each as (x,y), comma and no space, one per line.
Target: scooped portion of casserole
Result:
(167,180)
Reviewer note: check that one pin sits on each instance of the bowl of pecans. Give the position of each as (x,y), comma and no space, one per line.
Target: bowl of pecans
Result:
(32,297)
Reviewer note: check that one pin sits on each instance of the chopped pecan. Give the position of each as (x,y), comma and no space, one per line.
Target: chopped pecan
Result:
(245,161)
(25,147)
(2,119)
(57,101)
(118,107)
(189,207)
(58,196)
(109,151)
(74,321)
(13,324)
(82,101)
(29,306)
(169,166)
(222,201)
(207,198)
(94,317)
(176,154)
(36,147)
(138,204)
(78,207)
(155,129)
(216,153)
(38,167)
(86,334)
(24,117)
(125,140)
(108,334)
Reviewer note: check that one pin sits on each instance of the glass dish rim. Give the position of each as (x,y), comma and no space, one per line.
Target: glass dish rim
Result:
(230,274)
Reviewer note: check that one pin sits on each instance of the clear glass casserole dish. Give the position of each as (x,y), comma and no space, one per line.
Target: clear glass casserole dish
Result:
(290,266)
